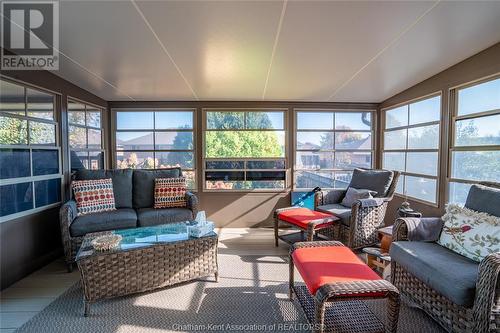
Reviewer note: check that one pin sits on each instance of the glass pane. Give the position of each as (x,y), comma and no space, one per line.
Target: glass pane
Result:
(225,185)
(225,120)
(190,179)
(94,137)
(353,120)
(76,113)
(394,161)
(422,163)
(342,179)
(224,175)
(458,192)
(96,160)
(265,120)
(476,165)
(14,163)
(351,160)
(134,120)
(15,198)
(309,179)
(353,140)
(396,117)
(426,137)
(12,98)
(399,185)
(40,104)
(266,175)
(77,137)
(395,139)
(13,131)
(93,117)
(257,144)
(42,133)
(278,164)
(134,141)
(314,160)
(421,188)
(315,120)
(478,131)
(174,120)
(264,184)
(79,160)
(135,160)
(479,98)
(47,192)
(184,160)
(425,111)
(224,165)
(314,140)
(174,140)
(45,162)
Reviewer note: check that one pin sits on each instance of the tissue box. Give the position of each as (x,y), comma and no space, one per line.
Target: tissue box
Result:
(201,229)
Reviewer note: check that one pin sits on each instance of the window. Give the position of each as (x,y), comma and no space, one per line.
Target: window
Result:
(475,149)
(244,150)
(30,171)
(329,145)
(411,146)
(155,139)
(85,136)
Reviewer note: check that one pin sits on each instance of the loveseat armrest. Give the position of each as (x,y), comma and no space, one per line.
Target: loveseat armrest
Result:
(328,197)
(192,203)
(67,214)
(487,297)
(424,229)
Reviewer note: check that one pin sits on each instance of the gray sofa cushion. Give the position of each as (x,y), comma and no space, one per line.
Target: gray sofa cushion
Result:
(144,184)
(484,199)
(122,183)
(375,180)
(445,271)
(340,211)
(150,216)
(354,194)
(115,219)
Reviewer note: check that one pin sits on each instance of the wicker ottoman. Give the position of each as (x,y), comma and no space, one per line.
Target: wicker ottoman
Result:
(336,283)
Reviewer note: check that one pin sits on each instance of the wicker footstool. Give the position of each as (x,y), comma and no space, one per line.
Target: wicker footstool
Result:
(336,282)
(305,219)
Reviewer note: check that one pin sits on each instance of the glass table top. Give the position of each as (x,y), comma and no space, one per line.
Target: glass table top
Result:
(143,237)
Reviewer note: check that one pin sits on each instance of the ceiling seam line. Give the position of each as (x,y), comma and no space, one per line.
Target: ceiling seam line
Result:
(164,48)
(275,45)
(394,41)
(76,63)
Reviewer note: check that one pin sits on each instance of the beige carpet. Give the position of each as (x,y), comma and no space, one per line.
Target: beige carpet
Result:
(251,296)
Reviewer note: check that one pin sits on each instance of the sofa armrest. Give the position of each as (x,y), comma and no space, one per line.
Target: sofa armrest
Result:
(424,229)
(67,214)
(328,197)
(487,291)
(192,203)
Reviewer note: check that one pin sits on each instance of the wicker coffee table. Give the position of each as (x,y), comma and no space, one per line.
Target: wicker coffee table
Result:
(146,258)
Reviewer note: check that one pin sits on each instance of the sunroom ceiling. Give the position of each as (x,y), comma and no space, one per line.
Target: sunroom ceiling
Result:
(274,50)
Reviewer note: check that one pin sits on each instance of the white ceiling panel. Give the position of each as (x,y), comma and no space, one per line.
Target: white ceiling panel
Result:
(323,43)
(450,33)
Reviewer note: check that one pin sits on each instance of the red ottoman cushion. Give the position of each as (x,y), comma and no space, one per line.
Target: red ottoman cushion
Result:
(301,217)
(322,265)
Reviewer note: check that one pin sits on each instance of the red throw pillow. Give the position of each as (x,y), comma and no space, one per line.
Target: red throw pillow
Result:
(170,192)
(93,196)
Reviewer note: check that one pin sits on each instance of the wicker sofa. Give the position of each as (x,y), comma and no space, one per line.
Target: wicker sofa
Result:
(459,293)
(358,224)
(134,199)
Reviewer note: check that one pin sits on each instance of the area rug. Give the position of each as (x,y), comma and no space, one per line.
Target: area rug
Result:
(251,296)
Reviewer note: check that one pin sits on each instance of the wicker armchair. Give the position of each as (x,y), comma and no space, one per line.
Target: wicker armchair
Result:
(358,226)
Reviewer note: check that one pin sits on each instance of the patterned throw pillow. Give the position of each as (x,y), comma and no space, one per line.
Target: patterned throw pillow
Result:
(170,192)
(470,233)
(93,196)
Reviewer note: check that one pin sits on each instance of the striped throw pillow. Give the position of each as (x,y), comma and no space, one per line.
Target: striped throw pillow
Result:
(93,196)
(170,192)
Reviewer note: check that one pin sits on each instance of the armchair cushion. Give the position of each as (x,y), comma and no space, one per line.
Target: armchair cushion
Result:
(122,183)
(144,183)
(484,199)
(116,219)
(153,216)
(334,196)
(354,194)
(375,180)
(450,274)
(338,210)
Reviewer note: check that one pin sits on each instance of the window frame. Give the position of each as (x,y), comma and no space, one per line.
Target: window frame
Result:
(453,93)
(407,150)
(115,130)
(204,159)
(28,146)
(372,151)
